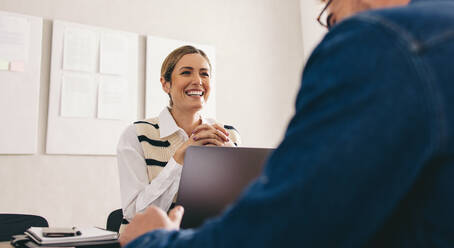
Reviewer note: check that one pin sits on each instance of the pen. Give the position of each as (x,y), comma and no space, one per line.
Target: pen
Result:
(76,231)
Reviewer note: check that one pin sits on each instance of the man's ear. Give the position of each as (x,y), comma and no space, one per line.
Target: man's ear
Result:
(165,85)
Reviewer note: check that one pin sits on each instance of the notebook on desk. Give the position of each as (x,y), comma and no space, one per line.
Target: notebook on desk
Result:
(214,177)
(89,235)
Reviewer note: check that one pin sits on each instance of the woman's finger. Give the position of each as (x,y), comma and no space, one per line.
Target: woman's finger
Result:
(222,135)
(204,142)
(222,129)
(202,127)
(211,134)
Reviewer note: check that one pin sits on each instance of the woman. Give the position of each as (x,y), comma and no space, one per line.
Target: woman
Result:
(151,152)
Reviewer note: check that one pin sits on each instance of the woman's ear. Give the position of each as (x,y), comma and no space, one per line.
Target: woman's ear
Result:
(165,85)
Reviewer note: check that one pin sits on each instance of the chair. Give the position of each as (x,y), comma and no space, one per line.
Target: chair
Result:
(114,220)
(14,224)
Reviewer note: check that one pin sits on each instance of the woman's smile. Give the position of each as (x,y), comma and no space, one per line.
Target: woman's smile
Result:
(190,84)
(196,93)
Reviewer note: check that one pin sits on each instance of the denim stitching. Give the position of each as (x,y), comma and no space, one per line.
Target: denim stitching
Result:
(426,75)
(405,38)
(439,38)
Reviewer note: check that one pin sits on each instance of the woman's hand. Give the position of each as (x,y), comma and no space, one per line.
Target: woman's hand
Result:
(211,132)
(204,135)
(206,130)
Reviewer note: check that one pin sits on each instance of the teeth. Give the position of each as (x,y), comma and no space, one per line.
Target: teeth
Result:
(194,93)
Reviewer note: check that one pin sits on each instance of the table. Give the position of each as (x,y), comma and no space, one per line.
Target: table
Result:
(5,244)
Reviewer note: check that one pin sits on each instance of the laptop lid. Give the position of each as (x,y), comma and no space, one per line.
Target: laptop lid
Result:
(214,177)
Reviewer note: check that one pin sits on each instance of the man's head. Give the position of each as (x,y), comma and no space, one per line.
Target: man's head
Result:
(341,9)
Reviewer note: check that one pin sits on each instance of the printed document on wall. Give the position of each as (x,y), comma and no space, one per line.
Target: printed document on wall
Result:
(112,98)
(14,38)
(80,50)
(78,96)
(17,66)
(4,65)
(113,54)
(20,74)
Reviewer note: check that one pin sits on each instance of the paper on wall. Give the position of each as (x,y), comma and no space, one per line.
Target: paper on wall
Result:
(4,65)
(80,50)
(17,66)
(113,53)
(14,38)
(78,96)
(112,97)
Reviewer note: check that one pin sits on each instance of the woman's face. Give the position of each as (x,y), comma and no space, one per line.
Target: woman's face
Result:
(190,85)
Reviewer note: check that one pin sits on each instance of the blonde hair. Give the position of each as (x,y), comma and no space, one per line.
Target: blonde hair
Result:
(172,59)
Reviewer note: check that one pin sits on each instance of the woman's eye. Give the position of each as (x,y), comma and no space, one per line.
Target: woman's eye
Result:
(185,72)
(205,74)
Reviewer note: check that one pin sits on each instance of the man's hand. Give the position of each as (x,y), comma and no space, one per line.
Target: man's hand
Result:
(153,218)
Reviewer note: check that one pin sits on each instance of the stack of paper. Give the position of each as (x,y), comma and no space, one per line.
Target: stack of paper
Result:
(90,235)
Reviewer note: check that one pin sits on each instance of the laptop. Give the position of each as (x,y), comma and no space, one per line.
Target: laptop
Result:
(214,177)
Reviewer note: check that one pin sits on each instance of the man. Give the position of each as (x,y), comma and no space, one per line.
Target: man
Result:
(368,158)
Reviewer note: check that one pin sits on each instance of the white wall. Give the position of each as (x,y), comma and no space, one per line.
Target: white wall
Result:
(311,30)
(259,59)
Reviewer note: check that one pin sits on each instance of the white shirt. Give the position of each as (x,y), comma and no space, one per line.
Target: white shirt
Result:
(137,193)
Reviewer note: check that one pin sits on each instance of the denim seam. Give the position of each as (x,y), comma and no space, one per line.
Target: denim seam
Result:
(439,38)
(430,82)
(406,39)
(412,48)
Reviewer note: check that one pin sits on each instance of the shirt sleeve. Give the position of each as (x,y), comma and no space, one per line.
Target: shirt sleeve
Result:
(137,193)
(356,145)
(234,136)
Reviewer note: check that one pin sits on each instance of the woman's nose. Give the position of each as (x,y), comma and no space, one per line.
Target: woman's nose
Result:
(197,79)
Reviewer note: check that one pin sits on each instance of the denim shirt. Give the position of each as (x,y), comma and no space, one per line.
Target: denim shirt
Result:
(368,158)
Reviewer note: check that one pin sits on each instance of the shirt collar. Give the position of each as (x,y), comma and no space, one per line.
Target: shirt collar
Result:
(168,126)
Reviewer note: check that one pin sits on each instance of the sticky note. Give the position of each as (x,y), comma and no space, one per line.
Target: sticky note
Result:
(4,65)
(18,66)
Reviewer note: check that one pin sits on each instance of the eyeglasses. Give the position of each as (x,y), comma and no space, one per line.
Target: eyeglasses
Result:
(328,22)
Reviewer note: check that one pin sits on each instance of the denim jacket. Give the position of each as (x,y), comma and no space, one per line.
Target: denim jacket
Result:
(368,158)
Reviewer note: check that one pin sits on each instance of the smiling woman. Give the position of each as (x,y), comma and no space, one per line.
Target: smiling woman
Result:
(150,152)
(189,83)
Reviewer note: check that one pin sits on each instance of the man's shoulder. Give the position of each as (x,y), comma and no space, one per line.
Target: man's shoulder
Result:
(366,53)
(404,30)
(412,25)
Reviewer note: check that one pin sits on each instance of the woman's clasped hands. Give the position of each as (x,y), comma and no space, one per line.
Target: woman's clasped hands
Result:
(204,135)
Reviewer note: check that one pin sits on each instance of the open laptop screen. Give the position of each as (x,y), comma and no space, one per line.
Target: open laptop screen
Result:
(214,177)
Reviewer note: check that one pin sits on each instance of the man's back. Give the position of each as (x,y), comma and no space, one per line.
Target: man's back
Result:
(426,214)
(431,202)
(423,38)
(368,159)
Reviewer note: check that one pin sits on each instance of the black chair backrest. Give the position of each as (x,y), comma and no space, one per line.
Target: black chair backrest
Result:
(14,224)
(114,220)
